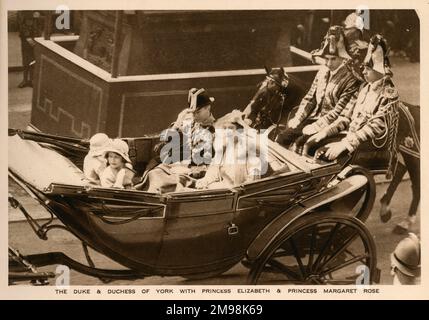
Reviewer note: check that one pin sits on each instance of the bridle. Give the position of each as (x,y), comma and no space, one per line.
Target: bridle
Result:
(264,115)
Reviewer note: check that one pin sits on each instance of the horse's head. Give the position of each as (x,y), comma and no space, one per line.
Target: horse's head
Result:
(277,79)
(269,96)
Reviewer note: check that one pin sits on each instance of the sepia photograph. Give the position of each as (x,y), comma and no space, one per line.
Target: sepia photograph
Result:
(213,147)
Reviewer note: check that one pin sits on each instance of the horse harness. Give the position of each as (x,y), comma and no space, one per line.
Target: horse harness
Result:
(264,115)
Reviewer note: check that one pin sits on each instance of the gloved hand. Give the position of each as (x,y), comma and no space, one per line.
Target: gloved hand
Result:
(331,151)
(334,150)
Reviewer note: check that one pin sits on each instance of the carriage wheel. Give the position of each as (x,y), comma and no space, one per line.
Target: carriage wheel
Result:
(320,248)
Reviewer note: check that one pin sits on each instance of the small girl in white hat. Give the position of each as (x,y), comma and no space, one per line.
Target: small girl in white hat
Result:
(95,162)
(119,171)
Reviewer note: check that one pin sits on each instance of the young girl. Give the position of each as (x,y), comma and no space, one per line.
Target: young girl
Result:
(119,171)
(95,162)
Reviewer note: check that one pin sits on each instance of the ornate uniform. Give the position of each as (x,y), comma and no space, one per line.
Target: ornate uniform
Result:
(197,137)
(330,90)
(364,116)
(196,145)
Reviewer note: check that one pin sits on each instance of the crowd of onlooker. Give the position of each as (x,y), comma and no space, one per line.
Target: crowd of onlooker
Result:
(401,28)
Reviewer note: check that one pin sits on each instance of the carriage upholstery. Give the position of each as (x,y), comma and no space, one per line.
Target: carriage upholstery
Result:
(141,151)
(46,166)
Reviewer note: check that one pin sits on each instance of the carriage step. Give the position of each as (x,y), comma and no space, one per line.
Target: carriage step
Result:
(36,278)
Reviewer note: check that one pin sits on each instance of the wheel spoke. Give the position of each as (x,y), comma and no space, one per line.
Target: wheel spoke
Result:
(312,244)
(279,254)
(344,264)
(282,268)
(317,281)
(338,251)
(298,259)
(350,253)
(325,246)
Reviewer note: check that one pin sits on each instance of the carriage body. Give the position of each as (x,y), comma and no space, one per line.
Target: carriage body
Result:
(190,234)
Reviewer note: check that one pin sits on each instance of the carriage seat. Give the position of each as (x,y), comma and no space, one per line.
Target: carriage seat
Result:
(141,151)
(47,165)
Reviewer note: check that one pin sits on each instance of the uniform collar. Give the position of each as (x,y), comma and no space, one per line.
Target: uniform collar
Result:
(377,85)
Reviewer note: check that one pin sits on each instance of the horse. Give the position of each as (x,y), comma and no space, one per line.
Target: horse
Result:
(408,146)
(272,103)
(276,98)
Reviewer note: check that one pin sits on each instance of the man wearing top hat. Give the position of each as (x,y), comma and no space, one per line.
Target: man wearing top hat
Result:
(332,88)
(364,116)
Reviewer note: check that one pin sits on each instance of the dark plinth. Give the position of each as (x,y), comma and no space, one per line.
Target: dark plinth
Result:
(161,56)
(73,97)
(156,42)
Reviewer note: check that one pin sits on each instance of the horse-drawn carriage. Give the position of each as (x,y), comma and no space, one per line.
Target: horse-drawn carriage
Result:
(300,225)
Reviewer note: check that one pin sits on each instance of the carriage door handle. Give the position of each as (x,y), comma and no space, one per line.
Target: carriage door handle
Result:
(232,229)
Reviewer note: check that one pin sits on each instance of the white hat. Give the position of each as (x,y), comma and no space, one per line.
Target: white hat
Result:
(120,147)
(98,143)
(354,20)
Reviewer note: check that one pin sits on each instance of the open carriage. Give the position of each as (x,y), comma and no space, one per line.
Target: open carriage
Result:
(301,225)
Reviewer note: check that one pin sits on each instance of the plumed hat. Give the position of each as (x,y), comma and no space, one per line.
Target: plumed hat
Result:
(354,20)
(333,44)
(377,56)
